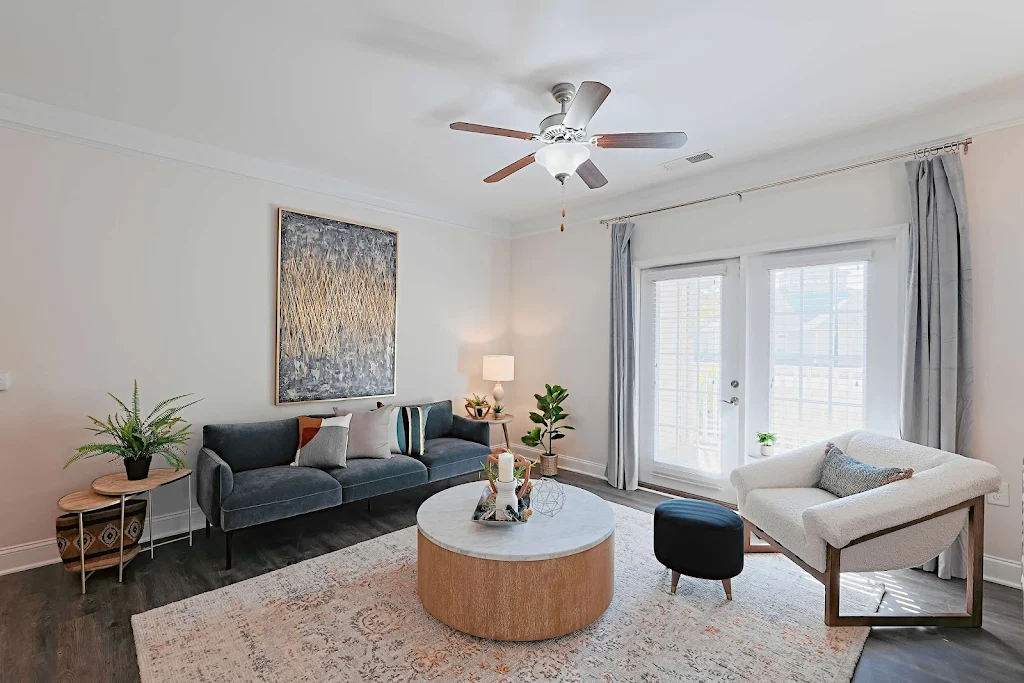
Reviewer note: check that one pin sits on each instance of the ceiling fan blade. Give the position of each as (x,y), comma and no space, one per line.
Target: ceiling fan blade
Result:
(589,174)
(491,130)
(642,140)
(509,170)
(585,103)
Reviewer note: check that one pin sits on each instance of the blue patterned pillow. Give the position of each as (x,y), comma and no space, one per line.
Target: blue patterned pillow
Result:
(844,476)
(414,424)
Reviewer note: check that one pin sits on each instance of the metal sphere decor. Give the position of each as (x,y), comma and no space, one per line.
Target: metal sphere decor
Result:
(547,497)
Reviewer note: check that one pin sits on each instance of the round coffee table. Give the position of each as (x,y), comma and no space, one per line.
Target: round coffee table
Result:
(515,581)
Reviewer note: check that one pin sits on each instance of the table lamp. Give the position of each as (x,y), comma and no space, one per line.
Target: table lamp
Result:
(499,369)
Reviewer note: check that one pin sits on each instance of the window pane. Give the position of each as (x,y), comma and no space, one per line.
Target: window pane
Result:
(818,337)
(688,349)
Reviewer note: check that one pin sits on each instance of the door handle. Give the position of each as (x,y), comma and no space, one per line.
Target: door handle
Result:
(735,400)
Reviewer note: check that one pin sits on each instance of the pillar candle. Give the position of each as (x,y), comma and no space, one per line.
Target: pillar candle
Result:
(505,460)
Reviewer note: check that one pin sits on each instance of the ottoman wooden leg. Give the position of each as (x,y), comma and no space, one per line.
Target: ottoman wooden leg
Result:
(675,581)
(727,585)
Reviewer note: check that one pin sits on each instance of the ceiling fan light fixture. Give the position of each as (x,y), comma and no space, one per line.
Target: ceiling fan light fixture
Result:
(562,158)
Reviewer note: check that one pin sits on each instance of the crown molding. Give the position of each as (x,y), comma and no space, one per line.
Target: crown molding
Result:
(883,139)
(37,117)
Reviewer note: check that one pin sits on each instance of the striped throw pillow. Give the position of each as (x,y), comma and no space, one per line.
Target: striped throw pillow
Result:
(414,423)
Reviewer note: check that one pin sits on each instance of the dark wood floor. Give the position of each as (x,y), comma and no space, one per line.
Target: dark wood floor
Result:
(49,632)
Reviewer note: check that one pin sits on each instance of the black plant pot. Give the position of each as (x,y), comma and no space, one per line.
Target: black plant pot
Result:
(137,468)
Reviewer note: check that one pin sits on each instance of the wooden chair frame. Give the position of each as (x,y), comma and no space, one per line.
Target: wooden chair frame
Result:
(971,617)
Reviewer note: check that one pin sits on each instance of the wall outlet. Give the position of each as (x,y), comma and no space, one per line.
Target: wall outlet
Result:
(1000,497)
(5,381)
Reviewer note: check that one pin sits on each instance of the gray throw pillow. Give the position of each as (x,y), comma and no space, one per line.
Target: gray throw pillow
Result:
(368,433)
(844,476)
(325,450)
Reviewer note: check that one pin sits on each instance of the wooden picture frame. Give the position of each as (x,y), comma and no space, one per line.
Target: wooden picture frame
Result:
(336,322)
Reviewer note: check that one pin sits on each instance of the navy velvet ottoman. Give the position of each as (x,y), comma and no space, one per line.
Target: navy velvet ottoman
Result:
(699,539)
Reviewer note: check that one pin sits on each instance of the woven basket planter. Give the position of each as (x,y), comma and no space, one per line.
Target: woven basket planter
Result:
(102,536)
(549,465)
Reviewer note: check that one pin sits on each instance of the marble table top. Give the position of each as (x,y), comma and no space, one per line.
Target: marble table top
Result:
(446,519)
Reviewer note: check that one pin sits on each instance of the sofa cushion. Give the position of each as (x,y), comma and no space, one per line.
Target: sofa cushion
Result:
(414,420)
(439,419)
(780,513)
(448,457)
(368,477)
(271,493)
(254,445)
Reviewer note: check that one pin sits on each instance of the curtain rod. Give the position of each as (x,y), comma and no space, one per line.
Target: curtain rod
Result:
(952,147)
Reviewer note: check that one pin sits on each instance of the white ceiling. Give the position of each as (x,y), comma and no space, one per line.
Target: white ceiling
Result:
(363,91)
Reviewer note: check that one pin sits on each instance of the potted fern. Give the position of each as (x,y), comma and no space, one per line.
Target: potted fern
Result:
(136,440)
(551,413)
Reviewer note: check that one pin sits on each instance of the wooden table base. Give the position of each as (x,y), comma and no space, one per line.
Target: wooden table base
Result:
(520,601)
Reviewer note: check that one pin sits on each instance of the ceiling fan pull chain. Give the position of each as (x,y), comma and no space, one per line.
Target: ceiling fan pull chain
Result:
(563,207)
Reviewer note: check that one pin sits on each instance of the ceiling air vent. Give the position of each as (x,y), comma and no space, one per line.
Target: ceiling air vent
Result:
(693,159)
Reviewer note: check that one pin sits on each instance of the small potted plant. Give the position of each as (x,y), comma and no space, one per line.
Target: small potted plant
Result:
(767,441)
(136,439)
(551,413)
(477,407)
(499,410)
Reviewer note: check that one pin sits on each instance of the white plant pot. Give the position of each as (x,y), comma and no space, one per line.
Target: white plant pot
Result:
(767,450)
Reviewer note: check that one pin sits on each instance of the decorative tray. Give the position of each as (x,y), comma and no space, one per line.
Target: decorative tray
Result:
(487,513)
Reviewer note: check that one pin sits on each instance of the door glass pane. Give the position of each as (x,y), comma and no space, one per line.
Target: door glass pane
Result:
(688,372)
(818,336)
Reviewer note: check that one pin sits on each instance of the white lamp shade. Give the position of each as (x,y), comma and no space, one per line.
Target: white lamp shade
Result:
(499,368)
(562,157)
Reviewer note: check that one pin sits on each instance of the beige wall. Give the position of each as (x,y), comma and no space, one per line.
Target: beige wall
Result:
(995,205)
(560,301)
(115,267)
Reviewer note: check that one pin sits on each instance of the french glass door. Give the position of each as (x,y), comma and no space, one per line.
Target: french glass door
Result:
(690,372)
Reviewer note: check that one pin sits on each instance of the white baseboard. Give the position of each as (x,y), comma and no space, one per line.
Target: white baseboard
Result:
(1005,572)
(17,558)
(565,462)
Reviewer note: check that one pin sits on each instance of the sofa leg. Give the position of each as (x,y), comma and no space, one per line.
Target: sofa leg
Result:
(227,549)
(207,528)
(675,581)
(727,585)
(369,504)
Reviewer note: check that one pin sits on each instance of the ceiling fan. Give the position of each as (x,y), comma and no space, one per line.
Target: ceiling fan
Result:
(566,141)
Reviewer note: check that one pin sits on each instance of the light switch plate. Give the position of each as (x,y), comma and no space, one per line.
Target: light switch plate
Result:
(5,381)
(1001,497)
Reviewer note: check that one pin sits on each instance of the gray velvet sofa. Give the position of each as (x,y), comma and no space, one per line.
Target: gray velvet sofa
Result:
(244,477)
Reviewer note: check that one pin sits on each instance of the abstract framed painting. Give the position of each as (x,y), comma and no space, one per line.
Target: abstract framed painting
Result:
(337,298)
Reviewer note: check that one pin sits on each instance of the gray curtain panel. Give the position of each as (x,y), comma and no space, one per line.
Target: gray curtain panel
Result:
(622,467)
(938,372)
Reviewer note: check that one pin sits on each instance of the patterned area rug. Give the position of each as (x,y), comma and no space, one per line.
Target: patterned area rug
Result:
(354,615)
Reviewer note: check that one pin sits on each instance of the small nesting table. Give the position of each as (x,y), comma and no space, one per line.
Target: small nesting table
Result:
(119,486)
(515,581)
(81,502)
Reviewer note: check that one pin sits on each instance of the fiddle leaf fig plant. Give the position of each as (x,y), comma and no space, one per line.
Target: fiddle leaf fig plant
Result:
(551,414)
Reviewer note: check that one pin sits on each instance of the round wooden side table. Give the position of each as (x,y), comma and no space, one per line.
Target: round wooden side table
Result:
(502,420)
(81,502)
(123,488)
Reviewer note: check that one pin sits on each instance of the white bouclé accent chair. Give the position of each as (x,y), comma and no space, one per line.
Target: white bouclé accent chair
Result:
(896,526)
